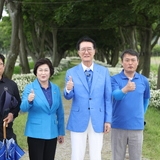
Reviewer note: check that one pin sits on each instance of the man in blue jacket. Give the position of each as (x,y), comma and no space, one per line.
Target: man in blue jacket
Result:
(91,109)
(131,93)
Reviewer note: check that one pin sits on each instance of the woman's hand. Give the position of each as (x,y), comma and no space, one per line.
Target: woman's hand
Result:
(31,96)
(60,139)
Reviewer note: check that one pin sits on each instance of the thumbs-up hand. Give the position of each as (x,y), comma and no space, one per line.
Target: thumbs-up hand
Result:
(31,96)
(130,86)
(69,84)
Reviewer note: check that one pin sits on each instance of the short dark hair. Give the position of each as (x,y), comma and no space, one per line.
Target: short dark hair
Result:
(85,39)
(131,52)
(2,58)
(41,62)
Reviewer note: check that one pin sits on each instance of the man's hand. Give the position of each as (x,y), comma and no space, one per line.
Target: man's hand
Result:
(107,127)
(9,118)
(131,86)
(69,84)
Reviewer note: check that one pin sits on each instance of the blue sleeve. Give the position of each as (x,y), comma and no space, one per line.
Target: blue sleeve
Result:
(118,94)
(146,103)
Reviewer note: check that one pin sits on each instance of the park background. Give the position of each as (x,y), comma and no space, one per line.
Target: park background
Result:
(50,28)
(151,132)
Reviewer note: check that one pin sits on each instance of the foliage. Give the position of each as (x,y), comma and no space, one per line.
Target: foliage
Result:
(156,50)
(112,29)
(153,81)
(5,32)
(22,80)
(155,61)
(155,93)
(17,69)
(155,98)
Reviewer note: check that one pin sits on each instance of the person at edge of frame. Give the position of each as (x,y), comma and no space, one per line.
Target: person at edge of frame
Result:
(9,102)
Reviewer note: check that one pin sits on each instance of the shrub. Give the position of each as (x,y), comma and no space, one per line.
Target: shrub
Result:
(156,50)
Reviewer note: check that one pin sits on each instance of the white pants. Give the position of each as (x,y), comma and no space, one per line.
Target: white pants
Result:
(78,143)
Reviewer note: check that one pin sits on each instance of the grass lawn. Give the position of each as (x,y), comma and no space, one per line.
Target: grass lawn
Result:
(151,145)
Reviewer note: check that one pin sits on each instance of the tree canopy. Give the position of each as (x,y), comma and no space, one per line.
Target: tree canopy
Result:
(52,28)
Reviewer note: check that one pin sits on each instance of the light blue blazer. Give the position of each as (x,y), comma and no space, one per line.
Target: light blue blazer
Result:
(95,104)
(43,121)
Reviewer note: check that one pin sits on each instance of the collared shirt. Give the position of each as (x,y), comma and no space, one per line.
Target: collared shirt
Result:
(48,94)
(86,68)
(128,112)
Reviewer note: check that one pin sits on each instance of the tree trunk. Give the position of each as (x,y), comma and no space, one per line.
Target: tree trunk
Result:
(54,53)
(13,9)
(147,53)
(123,41)
(34,58)
(38,38)
(59,56)
(141,62)
(41,40)
(158,80)
(100,55)
(23,54)
(115,57)
(147,63)
(1,7)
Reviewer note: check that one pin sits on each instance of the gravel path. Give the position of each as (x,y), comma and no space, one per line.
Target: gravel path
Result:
(64,150)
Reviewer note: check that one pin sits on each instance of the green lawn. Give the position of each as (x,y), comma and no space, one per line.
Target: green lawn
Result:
(151,146)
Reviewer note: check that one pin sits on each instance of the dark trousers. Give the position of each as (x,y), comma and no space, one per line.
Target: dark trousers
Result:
(41,149)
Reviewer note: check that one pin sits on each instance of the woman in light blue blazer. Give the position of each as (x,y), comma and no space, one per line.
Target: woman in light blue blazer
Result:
(45,122)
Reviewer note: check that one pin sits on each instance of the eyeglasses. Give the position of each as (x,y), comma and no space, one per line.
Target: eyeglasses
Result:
(83,50)
(1,64)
